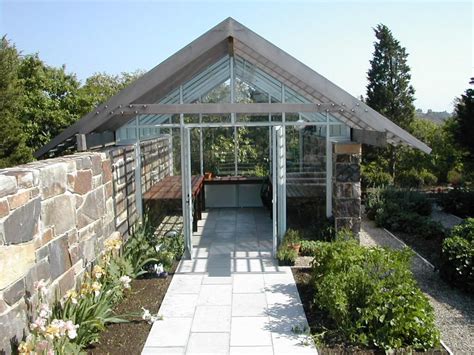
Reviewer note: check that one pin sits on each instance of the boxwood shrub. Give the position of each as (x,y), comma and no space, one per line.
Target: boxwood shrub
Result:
(457,257)
(370,298)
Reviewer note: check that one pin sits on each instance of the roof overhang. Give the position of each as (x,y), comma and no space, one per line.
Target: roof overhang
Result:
(231,37)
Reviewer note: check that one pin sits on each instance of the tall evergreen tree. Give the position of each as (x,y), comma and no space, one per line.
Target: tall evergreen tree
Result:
(389,91)
(13,149)
(464,116)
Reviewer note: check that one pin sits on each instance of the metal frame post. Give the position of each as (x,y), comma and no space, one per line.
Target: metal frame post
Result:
(328,169)
(138,172)
(283,187)
(232,115)
(274,192)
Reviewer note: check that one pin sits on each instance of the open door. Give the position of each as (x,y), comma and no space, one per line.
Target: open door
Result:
(186,191)
(279,185)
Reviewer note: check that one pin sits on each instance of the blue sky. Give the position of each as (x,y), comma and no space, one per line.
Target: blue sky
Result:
(334,38)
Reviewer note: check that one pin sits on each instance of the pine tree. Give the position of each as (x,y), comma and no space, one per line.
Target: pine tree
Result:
(13,149)
(389,91)
(464,117)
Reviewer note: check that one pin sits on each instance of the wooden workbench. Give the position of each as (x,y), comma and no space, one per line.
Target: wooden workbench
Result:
(167,195)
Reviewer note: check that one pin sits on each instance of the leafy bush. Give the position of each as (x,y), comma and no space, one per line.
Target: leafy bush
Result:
(403,211)
(370,297)
(308,247)
(459,201)
(457,257)
(287,252)
(287,256)
(454,177)
(374,176)
(414,178)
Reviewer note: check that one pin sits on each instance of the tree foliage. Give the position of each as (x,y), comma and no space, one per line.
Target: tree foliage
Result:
(13,149)
(464,118)
(389,90)
(50,100)
(38,101)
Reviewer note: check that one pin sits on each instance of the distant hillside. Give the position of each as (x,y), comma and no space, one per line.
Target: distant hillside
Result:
(436,117)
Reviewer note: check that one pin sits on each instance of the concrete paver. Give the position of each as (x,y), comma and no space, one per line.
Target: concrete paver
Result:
(232,297)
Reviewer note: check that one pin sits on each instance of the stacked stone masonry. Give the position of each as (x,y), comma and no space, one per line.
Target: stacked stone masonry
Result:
(346,186)
(55,216)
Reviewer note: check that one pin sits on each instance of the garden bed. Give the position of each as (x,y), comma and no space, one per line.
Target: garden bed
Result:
(317,321)
(129,338)
(429,249)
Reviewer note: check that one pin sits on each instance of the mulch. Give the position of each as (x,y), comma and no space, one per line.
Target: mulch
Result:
(129,338)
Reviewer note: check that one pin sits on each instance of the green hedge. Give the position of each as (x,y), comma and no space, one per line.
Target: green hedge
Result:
(370,298)
(459,201)
(403,211)
(457,257)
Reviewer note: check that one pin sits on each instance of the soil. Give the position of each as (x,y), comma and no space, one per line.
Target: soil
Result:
(430,249)
(317,320)
(129,338)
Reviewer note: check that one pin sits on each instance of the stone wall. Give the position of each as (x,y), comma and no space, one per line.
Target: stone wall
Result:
(54,217)
(346,186)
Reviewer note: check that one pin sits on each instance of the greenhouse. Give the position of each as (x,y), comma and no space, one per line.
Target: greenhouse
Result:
(245,125)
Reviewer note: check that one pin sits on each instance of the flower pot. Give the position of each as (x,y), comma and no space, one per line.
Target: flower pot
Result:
(207,175)
(296,247)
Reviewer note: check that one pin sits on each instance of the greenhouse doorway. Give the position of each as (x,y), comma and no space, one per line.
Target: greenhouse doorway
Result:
(277,179)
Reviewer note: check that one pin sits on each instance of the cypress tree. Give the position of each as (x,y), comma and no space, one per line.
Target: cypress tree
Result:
(464,117)
(389,90)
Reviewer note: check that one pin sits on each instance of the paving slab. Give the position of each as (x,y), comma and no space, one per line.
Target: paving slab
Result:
(232,297)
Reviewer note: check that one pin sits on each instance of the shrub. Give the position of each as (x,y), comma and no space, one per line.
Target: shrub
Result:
(308,247)
(403,211)
(374,176)
(370,297)
(414,178)
(457,257)
(454,177)
(287,252)
(459,201)
(287,256)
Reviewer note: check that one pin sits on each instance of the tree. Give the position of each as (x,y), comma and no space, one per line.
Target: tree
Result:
(389,91)
(101,86)
(13,149)
(50,100)
(464,117)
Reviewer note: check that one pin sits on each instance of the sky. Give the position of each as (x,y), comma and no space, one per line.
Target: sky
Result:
(332,37)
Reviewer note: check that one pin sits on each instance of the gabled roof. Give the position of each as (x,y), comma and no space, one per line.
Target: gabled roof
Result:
(231,37)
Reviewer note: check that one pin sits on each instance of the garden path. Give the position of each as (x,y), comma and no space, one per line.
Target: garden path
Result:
(232,297)
(454,309)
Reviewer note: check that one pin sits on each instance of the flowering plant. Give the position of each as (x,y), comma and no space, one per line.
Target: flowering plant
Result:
(48,335)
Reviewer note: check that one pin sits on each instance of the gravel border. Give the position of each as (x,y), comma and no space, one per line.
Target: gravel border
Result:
(454,309)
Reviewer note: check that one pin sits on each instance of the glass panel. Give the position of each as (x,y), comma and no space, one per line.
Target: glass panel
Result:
(253,151)
(218,94)
(306,180)
(216,118)
(218,150)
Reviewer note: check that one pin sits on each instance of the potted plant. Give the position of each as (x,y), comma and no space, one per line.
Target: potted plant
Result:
(292,240)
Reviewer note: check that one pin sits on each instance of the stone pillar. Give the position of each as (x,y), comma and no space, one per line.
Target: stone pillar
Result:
(346,186)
